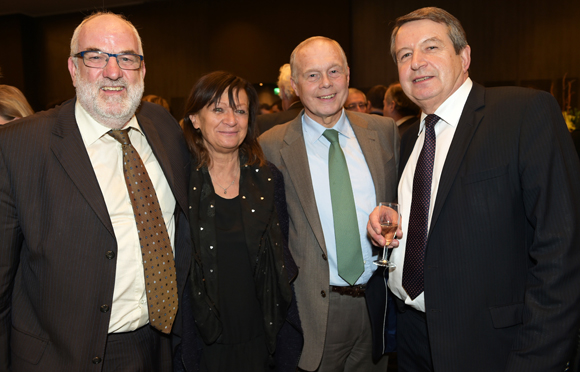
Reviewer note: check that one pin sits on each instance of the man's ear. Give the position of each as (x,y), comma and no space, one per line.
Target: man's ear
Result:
(293,83)
(465,57)
(72,68)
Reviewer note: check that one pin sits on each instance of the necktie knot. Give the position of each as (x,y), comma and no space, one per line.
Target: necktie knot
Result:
(121,135)
(431,120)
(331,135)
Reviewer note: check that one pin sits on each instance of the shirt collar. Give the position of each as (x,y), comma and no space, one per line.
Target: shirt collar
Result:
(313,130)
(450,111)
(91,130)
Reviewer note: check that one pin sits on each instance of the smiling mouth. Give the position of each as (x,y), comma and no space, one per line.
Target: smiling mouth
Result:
(113,89)
(421,79)
(330,96)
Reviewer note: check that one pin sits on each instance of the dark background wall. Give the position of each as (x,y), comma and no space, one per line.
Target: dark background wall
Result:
(514,42)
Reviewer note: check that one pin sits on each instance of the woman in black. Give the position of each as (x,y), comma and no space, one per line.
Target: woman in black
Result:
(239,298)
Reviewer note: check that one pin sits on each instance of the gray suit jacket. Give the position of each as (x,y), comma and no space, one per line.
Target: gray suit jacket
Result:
(284,146)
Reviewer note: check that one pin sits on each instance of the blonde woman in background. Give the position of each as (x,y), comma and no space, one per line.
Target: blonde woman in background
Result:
(13,104)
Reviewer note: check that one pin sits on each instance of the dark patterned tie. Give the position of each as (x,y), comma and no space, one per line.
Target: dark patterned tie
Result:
(348,249)
(413,268)
(160,282)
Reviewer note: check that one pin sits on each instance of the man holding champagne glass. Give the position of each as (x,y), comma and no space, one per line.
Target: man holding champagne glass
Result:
(487,275)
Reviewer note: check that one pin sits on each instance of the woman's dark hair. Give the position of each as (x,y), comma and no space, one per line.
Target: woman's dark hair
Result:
(207,91)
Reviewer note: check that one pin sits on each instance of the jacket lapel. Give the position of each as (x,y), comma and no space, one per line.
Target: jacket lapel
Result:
(175,178)
(369,144)
(68,147)
(407,144)
(468,123)
(296,161)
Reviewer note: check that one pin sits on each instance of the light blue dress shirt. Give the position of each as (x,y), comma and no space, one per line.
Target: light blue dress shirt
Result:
(317,147)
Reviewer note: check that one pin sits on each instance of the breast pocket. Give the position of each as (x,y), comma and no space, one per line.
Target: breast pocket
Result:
(486,194)
(486,175)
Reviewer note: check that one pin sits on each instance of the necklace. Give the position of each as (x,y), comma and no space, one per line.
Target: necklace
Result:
(226,188)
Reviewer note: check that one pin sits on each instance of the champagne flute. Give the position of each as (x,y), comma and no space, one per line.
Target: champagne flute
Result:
(389,219)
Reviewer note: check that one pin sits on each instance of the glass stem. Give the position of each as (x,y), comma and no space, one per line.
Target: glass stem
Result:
(385,253)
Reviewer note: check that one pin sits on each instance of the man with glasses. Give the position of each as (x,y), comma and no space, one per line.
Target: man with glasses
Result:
(337,166)
(356,101)
(93,236)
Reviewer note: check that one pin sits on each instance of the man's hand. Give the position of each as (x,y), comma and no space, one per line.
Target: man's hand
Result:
(374,231)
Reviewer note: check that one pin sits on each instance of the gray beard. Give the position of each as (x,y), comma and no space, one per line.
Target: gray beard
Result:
(112,112)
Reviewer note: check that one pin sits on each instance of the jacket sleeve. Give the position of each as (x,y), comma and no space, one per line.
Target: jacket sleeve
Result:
(550,180)
(10,244)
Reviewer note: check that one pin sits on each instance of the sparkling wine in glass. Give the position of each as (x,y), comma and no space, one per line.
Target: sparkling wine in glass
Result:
(389,220)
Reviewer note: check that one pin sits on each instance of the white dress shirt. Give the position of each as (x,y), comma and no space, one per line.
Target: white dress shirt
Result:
(129,308)
(317,147)
(449,113)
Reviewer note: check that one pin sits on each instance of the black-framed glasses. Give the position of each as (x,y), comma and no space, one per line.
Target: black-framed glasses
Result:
(98,59)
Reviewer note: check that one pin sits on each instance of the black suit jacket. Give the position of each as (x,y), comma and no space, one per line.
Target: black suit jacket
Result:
(407,124)
(267,121)
(502,264)
(57,245)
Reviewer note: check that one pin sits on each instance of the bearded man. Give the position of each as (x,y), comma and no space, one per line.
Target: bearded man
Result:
(75,288)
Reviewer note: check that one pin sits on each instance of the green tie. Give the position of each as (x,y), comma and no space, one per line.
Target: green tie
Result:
(348,249)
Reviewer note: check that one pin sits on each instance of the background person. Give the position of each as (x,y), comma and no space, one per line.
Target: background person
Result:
(400,108)
(291,104)
(158,100)
(357,101)
(13,104)
(375,95)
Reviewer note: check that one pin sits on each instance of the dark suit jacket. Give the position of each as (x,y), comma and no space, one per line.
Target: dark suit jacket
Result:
(407,124)
(267,121)
(57,244)
(284,146)
(576,139)
(502,264)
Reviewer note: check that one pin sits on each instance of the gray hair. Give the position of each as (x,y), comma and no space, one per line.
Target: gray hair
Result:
(454,29)
(403,105)
(308,41)
(284,82)
(354,91)
(74,42)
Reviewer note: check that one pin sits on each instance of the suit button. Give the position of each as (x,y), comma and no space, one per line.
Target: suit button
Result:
(104,308)
(324,257)
(110,255)
(323,294)
(97,360)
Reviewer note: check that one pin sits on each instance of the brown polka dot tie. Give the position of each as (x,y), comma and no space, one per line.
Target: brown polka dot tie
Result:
(158,264)
(413,267)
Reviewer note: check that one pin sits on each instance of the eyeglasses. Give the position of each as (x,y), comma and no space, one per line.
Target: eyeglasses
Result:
(98,59)
(353,106)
